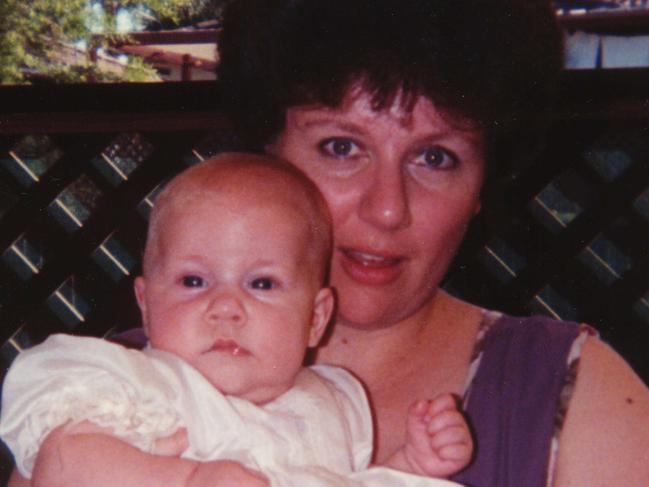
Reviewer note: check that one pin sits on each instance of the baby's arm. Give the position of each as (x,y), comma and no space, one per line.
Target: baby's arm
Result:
(85,455)
(438,440)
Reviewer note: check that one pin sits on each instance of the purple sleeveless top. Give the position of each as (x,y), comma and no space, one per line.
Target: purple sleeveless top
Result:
(520,373)
(516,400)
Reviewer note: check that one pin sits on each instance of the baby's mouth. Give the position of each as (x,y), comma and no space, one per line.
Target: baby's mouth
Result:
(230,347)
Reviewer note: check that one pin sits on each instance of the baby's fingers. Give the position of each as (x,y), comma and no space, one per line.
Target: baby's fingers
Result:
(451,436)
(446,419)
(457,452)
(442,403)
(172,445)
(453,444)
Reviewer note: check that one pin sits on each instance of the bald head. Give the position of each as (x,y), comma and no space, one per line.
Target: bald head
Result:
(246,181)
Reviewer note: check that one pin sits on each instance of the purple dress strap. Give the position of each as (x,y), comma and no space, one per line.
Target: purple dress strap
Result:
(132,338)
(513,400)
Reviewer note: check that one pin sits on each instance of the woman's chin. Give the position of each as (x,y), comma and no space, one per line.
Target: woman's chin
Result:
(368,314)
(379,307)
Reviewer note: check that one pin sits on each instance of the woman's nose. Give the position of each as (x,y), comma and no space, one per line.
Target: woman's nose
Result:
(384,203)
(225,308)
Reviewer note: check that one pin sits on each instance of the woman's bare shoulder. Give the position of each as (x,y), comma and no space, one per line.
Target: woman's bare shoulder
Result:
(605,439)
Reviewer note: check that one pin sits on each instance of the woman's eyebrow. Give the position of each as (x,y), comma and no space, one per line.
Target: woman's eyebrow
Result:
(439,132)
(451,135)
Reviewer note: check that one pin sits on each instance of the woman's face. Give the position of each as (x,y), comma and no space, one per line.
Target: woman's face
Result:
(401,186)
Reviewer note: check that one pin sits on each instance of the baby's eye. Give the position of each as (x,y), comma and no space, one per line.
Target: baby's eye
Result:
(339,147)
(263,284)
(436,157)
(192,281)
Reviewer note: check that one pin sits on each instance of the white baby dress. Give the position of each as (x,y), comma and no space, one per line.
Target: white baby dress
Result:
(319,433)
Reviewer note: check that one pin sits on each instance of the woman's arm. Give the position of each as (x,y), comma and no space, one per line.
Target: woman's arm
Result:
(52,469)
(86,458)
(605,439)
(95,459)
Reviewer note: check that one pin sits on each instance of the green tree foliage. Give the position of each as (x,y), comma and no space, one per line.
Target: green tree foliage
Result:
(53,38)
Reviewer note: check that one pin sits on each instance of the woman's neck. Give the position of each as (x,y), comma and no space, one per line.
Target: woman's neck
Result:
(421,357)
(379,353)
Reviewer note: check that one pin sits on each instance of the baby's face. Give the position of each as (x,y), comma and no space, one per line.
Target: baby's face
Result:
(232,291)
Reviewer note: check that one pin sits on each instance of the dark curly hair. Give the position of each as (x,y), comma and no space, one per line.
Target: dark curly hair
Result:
(492,62)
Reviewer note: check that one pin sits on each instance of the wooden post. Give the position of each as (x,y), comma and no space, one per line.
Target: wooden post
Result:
(186,68)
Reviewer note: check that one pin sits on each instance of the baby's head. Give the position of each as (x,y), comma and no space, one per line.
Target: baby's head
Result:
(234,272)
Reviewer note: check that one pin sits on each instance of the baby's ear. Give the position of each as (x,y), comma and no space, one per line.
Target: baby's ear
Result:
(323,306)
(139,286)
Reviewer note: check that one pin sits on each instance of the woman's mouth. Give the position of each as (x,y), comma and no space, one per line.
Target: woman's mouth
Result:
(230,347)
(370,268)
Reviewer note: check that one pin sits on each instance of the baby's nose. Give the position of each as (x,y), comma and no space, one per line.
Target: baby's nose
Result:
(227,308)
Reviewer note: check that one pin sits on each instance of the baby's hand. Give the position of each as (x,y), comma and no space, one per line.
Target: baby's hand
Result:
(172,445)
(438,441)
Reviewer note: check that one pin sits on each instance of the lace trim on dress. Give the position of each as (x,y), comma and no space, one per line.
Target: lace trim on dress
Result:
(133,417)
(565,395)
(489,319)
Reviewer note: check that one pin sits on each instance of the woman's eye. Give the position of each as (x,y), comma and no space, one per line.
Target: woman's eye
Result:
(339,147)
(193,281)
(263,284)
(436,158)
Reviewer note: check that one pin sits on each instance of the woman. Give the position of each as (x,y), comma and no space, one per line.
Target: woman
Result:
(399,110)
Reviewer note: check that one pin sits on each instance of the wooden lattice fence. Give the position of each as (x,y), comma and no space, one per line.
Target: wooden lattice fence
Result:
(80,165)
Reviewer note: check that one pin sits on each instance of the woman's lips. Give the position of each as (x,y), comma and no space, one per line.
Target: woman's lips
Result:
(370,268)
(231,347)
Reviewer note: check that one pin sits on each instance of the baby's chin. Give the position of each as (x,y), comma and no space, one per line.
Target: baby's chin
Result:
(266,396)
(259,395)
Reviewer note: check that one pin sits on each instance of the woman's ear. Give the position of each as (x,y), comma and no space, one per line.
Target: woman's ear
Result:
(139,286)
(323,306)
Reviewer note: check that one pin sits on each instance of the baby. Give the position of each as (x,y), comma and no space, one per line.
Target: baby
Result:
(231,297)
